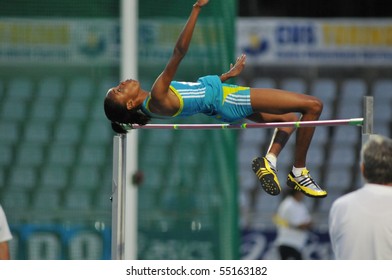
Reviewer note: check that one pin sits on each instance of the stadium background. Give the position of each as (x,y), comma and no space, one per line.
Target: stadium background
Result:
(198,199)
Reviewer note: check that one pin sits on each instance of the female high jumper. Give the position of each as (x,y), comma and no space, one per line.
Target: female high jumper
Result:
(128,103)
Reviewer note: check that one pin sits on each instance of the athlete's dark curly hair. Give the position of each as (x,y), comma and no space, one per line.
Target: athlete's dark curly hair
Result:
(118,114)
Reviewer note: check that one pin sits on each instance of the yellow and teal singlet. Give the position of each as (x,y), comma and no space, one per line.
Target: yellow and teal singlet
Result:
(209,96)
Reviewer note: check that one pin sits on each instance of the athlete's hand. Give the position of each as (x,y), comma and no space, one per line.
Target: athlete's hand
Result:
(201,3)
(235,69)
(239,65)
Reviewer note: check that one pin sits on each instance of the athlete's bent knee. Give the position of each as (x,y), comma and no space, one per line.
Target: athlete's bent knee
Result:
(315,106)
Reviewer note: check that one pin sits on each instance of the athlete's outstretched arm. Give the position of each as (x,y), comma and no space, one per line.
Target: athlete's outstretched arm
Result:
(162,83)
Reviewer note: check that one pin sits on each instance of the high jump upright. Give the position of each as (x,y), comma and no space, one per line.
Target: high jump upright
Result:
(124,192)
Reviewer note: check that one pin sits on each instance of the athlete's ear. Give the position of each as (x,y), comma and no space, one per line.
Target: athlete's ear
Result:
(129,104)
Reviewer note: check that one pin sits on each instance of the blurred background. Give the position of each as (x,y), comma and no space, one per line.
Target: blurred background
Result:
(198,198)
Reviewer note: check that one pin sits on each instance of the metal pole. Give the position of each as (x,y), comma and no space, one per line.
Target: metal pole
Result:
(368,112)
(129,29)
(130,197)
(117,202)
(124,199)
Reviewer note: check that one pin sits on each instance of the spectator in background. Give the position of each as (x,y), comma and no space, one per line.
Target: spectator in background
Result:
(360,223)
(5,236)
(293,222)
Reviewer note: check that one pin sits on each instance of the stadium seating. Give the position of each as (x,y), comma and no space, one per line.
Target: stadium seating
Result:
(326,90)
(55,146)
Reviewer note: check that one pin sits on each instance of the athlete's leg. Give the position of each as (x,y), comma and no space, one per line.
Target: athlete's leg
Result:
(275,101)
(282,134)
(265,168)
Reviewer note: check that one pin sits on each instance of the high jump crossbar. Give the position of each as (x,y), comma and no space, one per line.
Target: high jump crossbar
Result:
(351,122)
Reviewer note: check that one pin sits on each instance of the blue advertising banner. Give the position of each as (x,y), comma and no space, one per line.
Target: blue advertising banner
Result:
(58,242)
(259,245)
(311,41)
